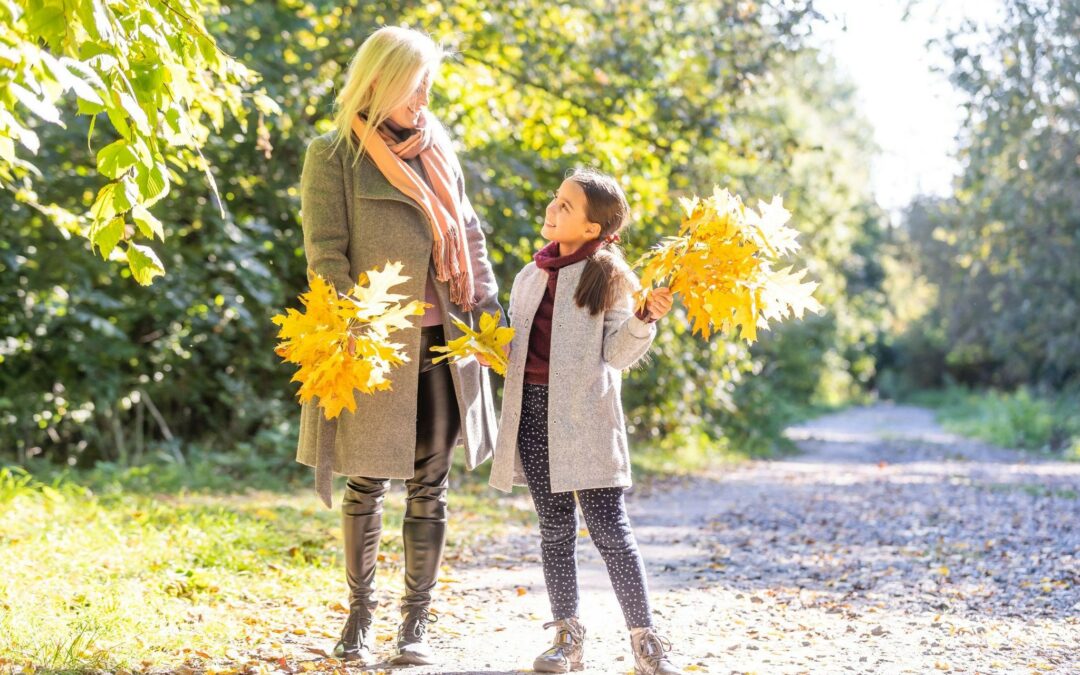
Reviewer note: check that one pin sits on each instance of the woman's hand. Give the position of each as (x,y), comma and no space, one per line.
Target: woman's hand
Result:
(659,302)
(483,360)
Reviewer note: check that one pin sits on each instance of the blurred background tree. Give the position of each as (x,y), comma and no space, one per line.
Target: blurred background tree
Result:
(998,257)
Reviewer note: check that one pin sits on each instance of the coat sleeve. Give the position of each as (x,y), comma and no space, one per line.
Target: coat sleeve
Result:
(485,286)
(626,337)
(324,217)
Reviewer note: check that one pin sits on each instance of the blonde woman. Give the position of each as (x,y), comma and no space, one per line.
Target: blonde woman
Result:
(385,185)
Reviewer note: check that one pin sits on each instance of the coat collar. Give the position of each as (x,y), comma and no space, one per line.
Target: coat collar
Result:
(370,183)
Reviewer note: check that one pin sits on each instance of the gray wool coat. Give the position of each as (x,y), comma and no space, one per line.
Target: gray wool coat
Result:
(353,220)
(587,445)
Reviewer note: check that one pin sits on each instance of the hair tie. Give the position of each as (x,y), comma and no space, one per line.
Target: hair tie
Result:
(612,238)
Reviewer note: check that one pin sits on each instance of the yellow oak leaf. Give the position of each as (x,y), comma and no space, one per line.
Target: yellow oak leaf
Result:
(341,343)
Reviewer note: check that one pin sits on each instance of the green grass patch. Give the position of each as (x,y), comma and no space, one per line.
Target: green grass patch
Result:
(1020,419)
(104,570)
(688,454)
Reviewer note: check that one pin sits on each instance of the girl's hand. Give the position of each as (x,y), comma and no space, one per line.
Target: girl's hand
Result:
(659,302)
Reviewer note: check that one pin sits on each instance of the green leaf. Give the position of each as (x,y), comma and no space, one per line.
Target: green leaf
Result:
(135,111)
(116,158)
(106,236)
(40,107)
(153,181)
(265,104)
(87,108)
(127,194)
(103,207)
(147,223)
(7,149)
(144,263)
(116,116)
(94,19)
(85,82)
(26,137)
(48,21)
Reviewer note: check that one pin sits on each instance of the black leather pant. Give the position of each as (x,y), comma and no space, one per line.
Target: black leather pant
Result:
(438,425)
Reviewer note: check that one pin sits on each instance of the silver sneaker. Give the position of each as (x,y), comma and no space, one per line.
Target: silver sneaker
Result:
(650,652)
(413,648)
(567,652)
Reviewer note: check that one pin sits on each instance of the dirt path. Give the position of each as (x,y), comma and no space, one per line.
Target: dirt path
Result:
(888,546)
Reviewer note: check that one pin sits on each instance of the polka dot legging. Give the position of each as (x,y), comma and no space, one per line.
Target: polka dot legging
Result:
(605,516)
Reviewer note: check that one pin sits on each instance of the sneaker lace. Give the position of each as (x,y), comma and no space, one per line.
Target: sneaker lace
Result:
(655,647)
(416,623)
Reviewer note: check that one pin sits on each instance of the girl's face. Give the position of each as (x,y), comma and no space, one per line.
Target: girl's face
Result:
(565,219)
(407,115)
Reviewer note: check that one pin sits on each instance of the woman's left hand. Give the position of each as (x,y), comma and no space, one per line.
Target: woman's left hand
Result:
(484,361)
(659,302)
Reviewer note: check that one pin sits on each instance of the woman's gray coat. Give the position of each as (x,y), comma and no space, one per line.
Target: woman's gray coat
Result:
(354,220)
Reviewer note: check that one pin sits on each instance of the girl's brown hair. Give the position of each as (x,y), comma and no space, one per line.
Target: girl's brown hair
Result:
(606,276)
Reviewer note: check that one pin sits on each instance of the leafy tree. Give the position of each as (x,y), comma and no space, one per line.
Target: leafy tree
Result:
(1000,253)
(152,71)
(670,96)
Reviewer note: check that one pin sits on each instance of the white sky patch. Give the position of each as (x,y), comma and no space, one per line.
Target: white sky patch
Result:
(915,112)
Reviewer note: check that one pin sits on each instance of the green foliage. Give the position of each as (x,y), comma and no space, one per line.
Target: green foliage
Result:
(999,256)
(670,96)
(152,72)
(1018,419)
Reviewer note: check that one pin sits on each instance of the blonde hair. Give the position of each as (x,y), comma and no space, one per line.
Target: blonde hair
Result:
(385,72)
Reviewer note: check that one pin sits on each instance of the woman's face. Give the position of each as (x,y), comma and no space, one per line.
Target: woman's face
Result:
(407,115)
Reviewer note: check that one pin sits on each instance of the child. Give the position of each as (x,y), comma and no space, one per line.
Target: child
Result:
(575,330)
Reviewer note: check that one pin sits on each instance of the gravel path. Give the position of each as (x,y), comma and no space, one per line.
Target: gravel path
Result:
(887,546)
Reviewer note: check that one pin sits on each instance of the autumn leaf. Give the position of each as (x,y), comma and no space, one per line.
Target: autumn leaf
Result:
(317,340)
(488,341)
(721,266)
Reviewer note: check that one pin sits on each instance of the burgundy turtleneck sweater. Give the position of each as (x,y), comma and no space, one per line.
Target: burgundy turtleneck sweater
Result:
(549,260)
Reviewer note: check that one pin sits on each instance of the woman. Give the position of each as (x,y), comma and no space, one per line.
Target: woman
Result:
(385,185)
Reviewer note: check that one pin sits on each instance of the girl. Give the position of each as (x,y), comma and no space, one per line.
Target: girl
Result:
(385,184)
(575,329)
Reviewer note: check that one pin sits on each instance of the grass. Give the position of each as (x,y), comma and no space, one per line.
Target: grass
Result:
(1019,419)
(105,570)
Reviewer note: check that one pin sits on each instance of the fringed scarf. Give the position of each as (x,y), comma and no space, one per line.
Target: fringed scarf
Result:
(439,201)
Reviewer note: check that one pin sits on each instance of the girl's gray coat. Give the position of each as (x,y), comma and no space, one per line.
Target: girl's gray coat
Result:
(354,219)
(586,432)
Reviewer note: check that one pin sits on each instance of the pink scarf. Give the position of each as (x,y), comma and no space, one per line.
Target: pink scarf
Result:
(439,202)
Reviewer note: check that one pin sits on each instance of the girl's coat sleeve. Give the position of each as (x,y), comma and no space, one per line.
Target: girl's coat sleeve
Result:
(626,337)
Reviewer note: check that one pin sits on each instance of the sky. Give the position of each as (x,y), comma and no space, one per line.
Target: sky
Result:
(915,112)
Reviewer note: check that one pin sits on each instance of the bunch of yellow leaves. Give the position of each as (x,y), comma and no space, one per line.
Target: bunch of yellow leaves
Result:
(721,264)
(489,341)
(318,340)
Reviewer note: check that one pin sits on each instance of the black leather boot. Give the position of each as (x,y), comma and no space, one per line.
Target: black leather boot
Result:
(423,556)
(361,520)
(424,528)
